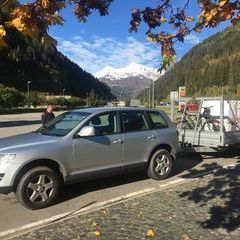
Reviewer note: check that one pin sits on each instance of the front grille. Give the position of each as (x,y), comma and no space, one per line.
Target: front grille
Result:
(1,176)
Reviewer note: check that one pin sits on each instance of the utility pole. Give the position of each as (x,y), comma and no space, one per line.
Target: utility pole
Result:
(87,100)
(28,93)
(153,95)
(149,96)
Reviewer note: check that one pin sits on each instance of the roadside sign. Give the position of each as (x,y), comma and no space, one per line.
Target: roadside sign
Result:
(135,103)
(173,95)
(182,91)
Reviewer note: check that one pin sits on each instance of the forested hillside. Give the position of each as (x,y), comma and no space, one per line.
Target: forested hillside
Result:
(30,59)
(208,69)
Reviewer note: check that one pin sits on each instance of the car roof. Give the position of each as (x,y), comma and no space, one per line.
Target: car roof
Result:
(103,109)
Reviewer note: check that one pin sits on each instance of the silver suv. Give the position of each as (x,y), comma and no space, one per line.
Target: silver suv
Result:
(85,144)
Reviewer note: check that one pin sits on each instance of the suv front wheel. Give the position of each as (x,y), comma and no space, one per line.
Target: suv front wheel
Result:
(160,165)
(38,188)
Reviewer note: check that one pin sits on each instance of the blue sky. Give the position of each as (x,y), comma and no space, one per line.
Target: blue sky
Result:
(103,41)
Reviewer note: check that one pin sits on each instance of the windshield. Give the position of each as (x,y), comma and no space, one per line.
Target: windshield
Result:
(63,124)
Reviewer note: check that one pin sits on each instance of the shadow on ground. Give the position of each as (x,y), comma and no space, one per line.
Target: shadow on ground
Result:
(75,190)
(18,123)
(232,152)
(225,186)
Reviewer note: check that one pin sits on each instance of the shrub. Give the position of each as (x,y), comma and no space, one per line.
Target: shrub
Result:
(10,97)
(75,101)
(35,98)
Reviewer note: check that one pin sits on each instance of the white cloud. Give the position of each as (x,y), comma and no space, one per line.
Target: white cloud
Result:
(192,39)
(98,52)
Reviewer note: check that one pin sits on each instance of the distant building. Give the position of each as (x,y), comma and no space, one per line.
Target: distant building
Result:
(57,96)
(117,104)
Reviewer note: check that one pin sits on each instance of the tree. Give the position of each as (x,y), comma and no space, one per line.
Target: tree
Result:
(231,80)
(10,97)
(75,101)
(35,98)
(208,68)
(34,18)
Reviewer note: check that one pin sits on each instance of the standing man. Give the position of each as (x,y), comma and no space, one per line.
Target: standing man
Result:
(47,115)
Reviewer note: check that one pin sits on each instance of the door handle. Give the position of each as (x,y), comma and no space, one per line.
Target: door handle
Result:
(151,137)
(117,141)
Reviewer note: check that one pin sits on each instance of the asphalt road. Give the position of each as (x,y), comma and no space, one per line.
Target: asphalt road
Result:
(13,124)
(77,196)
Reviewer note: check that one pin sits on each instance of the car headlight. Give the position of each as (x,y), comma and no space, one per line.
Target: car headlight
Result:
(7,157)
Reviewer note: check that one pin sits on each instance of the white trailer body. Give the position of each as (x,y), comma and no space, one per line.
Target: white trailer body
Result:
(226,112)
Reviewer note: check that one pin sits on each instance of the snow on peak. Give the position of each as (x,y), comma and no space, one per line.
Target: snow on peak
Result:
(132,70)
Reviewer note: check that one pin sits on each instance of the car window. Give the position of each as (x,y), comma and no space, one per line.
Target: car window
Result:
(134,121)
(63,124)
(157,120)
(104,124)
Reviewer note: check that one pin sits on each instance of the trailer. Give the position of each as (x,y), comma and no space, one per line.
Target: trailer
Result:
(216,131)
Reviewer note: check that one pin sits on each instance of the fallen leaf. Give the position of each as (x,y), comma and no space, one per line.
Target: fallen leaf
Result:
(96,233)
(185,237)
(140,214)
(94,224)
(150,233)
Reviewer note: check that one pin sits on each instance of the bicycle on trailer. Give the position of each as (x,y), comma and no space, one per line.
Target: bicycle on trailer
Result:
(207,122)
(187,121)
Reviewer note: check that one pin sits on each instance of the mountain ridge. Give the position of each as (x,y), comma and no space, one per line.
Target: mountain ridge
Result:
(131,70)
(128,81)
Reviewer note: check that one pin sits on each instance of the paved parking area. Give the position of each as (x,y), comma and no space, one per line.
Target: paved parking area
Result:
(13,124)
(152,212)
(204,208)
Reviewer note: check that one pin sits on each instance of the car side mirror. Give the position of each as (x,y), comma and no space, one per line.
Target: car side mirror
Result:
(86,131)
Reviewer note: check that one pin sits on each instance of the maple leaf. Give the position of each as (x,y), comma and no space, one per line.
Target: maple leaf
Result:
(190,18)
(2,35)
(44,3)
(18,24)
(2,31)
(151,38)
(163,19)
(223,2)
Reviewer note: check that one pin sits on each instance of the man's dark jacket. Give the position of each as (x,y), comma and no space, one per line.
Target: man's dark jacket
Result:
(47,117)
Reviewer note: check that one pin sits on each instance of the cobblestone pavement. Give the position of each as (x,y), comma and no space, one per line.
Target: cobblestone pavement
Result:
(203,208)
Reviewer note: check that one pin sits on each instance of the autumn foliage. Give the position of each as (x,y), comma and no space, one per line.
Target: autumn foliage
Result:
(181,24)
(34,18)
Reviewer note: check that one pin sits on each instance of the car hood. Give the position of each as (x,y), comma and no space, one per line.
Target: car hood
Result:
(25,140)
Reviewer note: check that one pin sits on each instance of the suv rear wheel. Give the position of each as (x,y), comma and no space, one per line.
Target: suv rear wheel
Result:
(38,188)
(160,165)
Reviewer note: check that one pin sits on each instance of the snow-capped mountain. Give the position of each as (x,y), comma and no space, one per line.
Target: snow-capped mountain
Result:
(130,80)
(132,70)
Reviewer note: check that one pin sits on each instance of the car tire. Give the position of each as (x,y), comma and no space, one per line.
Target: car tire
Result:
(38,188)
(160,165)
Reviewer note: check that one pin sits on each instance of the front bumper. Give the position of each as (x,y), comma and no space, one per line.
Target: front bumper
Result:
(8,172)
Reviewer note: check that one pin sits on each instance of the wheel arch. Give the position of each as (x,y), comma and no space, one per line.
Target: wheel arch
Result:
(161,146)
(36,163)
